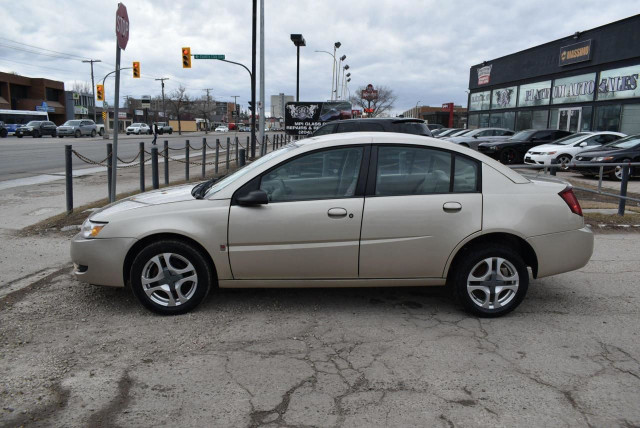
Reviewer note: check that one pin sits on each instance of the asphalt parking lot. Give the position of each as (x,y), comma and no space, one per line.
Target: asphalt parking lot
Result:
(77,355)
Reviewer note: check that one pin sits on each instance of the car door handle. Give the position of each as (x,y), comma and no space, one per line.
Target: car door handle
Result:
(452,207)
(337,212)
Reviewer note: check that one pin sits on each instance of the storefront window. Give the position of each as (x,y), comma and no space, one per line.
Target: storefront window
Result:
(607,118)
(484,121)
(586,119)
(480,101)
(619,83)
(539,119)
(473,121)
(574,89)
(523,120)
(504,98)
(503,120)
(535,94)
(553,122)
(630,122)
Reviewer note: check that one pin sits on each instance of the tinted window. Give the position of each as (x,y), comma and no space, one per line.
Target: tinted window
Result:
(348,127)
(415,128)
(465,176)
(412,171)
(371,127)
(328,174)
(545,135)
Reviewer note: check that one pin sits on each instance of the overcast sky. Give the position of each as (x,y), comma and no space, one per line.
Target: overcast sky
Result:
(420,49)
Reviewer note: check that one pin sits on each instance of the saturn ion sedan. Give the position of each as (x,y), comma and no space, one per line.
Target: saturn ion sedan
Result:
(342,210)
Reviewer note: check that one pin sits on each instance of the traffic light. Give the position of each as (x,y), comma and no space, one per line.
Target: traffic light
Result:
(136,70)
(186,57)
(100,92)
(250,105)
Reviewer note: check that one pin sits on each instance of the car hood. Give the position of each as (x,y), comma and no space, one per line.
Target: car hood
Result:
(156,197)
(547,147)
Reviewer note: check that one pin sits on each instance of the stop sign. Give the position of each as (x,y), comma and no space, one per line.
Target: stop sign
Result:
(122,26)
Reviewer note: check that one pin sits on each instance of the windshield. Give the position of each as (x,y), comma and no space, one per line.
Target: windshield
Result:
(136,124)
(34,123)
(460,133)
(250,167)
(570,139)
(523,135)
(72,123)
(626,142)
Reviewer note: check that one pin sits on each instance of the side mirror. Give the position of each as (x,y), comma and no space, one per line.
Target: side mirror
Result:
(583,144)
(253,198)
(475,136)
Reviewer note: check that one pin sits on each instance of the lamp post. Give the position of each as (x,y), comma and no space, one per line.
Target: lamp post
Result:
(416,110)
(298,40)
(342,58)
(333,69)
(344,83)
(344,69)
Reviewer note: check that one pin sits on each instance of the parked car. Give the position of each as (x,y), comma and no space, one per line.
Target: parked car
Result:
(357,209)
(3,130)
(164,127)
(100,129)
(512,150)
(623,150)
(442,133)
(77,128)
(564,149)
(459,133)
(390,124)
(138,128)
(433,126)
(36,129)
(474,137)
(222,128)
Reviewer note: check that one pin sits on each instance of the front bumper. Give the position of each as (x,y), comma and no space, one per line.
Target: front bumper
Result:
(538,159)
(100,261)
(563,251)
(23,132)
(66,131)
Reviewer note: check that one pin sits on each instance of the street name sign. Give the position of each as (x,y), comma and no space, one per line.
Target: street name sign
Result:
(208,56)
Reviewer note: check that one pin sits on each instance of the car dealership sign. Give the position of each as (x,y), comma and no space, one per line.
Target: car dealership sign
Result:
(484,74)
(305,118)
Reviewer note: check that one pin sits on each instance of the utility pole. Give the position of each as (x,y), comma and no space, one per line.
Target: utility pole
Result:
(164,112)
(235,106)
(206,111)
(262,103)
(253,80)
(93,85)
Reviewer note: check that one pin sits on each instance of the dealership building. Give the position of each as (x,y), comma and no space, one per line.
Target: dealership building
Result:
(588,81)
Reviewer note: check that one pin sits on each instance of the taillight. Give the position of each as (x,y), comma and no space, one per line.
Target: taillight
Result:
(569,197)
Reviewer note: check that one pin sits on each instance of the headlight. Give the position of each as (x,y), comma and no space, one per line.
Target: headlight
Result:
(603,159)
(493,148)
(91,229)
(550,153)
(29,128)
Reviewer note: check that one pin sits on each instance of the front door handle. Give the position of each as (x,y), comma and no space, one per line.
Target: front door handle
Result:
(337,212)
(452,207)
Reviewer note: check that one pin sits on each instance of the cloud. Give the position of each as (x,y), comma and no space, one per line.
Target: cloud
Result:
(420,49)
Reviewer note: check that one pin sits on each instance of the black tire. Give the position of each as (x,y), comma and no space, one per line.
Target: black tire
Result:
(3,133)
(170,131)
(77,134)
(204,272)
(93,133)
(19,135)
(509,157)
(60,136)
(471,261)
(160,131)
(101,132)
(35,134)
(616,172)
(564,159)
(127,133)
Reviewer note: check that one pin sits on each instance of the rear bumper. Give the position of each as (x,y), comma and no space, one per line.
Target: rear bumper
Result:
(100,261)
(563,251)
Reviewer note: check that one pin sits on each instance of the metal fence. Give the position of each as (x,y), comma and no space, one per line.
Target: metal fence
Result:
(603,168)
(222,154)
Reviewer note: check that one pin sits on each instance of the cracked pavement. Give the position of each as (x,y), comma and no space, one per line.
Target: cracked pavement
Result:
(77,355)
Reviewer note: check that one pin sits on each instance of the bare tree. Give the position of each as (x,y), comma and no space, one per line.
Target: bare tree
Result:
(381,105)
(204,107)
(82,87)
(179,100)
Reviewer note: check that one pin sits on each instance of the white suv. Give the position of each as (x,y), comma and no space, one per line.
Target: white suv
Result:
(564,149)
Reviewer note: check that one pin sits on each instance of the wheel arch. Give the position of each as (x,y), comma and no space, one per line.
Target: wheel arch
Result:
(140,244)
(514,241)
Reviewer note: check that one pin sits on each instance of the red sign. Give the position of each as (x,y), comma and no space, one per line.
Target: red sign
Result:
(369,94)
(122,26)
(447,107)
(368,110)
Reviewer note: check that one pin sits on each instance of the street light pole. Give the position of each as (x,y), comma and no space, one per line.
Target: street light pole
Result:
(164,112)
(262,101)
(93,85)
(416,110)
(333,68)
(298,40)
(342,58)
(253,80)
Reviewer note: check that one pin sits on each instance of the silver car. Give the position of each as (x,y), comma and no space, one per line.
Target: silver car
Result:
(77,128)
(474,137)
(341,210)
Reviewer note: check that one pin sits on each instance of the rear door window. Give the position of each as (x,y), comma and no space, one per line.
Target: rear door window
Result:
(371,127)
(326,129)
(348,127)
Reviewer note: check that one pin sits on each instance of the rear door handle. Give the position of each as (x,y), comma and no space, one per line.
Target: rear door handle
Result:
(452,207)
(337,212)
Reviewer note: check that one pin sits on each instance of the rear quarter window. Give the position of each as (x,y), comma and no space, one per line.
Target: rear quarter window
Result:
(411,128)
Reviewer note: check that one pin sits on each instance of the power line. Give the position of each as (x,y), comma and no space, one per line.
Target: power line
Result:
(37,66)
(44,49)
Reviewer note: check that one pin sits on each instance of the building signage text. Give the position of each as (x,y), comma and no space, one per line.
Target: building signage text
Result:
(619,83)
(576,52)
(484,74)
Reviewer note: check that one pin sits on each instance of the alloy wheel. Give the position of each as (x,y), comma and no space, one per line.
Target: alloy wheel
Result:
(169,279)
(618,170)
(564,162)
(493,283)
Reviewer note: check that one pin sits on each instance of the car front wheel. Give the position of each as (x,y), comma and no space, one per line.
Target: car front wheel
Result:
(564,161)
(93,133)
(490,281)
(617,172)
(508,157)
(170,277)
(77,134)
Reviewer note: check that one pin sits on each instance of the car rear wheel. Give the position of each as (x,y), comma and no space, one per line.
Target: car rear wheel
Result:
(170,131)
(170,277)
(60,136)
(564,161)
(490,281)
(508,156)
(617,172)
(35,134)
(93,133)
(3,133)
(101,132)
(77,134)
